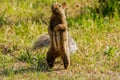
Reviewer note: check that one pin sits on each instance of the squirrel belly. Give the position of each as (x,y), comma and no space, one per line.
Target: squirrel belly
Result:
(59,39)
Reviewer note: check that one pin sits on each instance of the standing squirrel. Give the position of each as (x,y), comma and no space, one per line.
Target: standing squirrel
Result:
(58,33)
(61,44)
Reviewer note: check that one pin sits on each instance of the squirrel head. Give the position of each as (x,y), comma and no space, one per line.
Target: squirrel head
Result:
(58,9)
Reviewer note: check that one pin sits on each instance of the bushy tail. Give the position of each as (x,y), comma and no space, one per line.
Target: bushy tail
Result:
(72,44)
(44,41)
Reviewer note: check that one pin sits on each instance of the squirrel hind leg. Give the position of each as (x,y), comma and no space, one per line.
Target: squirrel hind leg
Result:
(50,59)
(66,60)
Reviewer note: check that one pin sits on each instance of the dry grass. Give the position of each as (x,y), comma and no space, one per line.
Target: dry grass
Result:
(98,57)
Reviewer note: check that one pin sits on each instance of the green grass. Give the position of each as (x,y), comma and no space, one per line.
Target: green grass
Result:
(22,23)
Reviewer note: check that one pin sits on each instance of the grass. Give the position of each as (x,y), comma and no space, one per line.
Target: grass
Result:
(97,37)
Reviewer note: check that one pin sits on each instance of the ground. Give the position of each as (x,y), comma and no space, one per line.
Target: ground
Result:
(23,22)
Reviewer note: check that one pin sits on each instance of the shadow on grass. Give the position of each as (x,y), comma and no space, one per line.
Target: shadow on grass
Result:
(27,62)
(40,66)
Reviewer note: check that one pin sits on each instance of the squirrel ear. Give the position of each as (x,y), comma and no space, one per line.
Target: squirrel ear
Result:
(63,5)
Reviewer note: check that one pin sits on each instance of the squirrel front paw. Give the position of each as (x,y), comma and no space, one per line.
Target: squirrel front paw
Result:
(57,27)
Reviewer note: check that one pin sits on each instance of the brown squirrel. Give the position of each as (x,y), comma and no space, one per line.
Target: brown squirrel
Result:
(58,33)
(61,44)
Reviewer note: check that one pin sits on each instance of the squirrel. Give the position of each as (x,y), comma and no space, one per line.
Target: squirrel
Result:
(58,33)
(61,44)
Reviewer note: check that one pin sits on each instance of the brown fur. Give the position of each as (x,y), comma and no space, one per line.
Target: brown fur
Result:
(57,31)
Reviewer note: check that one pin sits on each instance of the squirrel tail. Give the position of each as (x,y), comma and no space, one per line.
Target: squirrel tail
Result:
(72,44)
(44,41)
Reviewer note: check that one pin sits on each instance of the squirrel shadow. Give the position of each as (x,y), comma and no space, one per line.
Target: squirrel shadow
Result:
(41,66)
(36,65)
